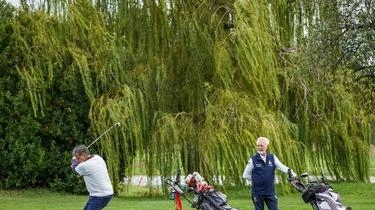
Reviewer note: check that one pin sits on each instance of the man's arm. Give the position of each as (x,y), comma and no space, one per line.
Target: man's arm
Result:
(280,166)
(74,164)
(248,169)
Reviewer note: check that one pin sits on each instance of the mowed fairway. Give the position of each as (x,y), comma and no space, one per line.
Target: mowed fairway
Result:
(359,196)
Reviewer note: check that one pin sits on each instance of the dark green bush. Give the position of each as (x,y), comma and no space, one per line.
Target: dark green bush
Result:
(35,151)
(72,184)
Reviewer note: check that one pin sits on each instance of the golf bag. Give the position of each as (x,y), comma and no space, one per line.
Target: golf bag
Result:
(318,193)
(206,197)
(210,200)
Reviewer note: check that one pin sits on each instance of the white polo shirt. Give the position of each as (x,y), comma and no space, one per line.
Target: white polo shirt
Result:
(95,174)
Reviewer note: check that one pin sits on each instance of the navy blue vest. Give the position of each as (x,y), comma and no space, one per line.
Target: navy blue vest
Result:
(263,175)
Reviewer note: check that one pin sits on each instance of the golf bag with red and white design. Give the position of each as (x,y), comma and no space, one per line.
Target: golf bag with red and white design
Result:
(206,197)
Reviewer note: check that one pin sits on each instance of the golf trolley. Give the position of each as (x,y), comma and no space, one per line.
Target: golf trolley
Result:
(203,200)
(318,193)
(176,192)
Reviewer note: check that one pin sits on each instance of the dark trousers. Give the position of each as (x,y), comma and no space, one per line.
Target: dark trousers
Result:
(269,200)
(97,203)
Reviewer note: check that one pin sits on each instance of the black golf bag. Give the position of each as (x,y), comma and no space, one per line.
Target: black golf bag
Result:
(318,193)
(210,200)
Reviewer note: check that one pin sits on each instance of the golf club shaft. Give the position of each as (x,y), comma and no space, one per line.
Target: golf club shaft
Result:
(116,124)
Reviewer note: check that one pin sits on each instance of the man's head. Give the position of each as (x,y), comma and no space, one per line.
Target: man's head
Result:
(262,145)
(81,153)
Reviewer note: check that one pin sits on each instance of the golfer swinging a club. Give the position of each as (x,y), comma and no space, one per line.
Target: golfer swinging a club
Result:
(95,173)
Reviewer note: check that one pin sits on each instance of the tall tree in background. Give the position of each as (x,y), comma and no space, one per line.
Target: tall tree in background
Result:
(194,83)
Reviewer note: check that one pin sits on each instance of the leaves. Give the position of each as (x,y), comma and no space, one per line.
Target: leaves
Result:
(190,92)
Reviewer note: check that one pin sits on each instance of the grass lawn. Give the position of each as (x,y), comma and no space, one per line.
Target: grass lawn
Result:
(360,196)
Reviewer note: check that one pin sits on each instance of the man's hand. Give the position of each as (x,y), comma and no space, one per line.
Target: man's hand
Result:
(291,175)
(74,164)
(294,175)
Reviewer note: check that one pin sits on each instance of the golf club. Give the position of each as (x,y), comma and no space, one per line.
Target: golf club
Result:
(116,124)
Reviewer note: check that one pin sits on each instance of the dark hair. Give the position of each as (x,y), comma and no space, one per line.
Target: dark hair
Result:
(81,149)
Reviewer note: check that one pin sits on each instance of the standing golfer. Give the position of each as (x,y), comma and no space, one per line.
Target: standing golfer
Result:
(261,171)
(94,172)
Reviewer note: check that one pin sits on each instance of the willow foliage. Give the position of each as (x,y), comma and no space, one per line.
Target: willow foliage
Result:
(331,124)
(191,91)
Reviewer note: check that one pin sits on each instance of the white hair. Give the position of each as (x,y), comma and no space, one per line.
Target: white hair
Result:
(263,140)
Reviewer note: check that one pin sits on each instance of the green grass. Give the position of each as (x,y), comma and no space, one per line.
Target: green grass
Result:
(360,196)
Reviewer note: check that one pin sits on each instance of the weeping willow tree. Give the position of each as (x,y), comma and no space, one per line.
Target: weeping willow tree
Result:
(194,83)
(331,123)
